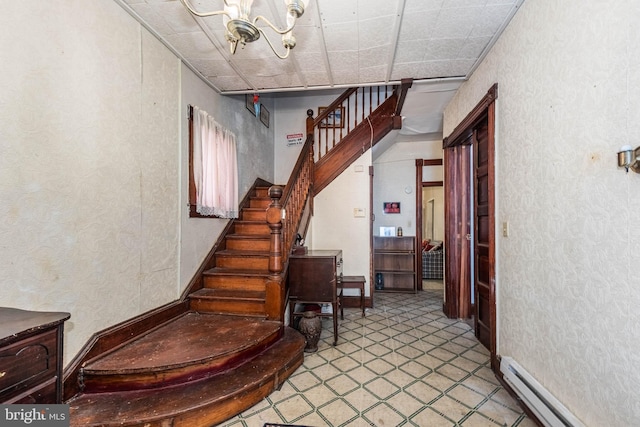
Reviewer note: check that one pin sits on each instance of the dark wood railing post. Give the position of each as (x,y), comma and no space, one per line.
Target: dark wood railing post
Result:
(310,125)
(274,219)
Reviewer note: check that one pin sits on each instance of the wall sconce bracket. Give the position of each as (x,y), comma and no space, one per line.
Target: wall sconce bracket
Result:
(629,158)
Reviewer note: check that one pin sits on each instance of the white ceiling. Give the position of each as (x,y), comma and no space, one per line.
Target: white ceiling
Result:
(341,43)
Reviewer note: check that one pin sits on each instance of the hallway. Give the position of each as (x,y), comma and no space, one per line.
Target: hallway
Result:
(404,364)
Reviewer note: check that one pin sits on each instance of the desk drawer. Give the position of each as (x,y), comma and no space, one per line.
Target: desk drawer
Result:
(27,363)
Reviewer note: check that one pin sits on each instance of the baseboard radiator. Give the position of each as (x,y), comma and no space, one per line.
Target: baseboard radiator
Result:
(547,408)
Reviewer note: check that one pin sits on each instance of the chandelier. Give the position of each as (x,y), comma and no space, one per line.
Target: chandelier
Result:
(241,29)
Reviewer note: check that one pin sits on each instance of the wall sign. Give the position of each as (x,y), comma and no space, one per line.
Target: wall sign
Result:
(295,139)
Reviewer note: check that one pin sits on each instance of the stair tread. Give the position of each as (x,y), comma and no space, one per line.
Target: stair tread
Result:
(186,341)
(229,293)
(206,396)
(236,272)
(248,236)
(242,253)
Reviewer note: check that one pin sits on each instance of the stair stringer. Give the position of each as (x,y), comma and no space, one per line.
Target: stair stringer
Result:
(363,137)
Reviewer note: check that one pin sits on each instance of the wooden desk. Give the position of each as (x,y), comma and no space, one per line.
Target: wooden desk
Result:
(31,356)
(314,278)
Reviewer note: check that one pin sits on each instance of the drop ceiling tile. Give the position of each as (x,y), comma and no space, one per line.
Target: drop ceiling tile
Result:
(193,45)
(213,67)
(418,25)
(411,51)
(291,80)
(177,17)
(492,19)
(375,32)
(341,37)
(435,30)
(456,23)
(456,4)
(317,79)
(373,74)
(413,6)
(473,47)
(308,39)
(228,83)
(155,21)
(337,11)
(374,56)
(440,49)
(310,62)
(371,9)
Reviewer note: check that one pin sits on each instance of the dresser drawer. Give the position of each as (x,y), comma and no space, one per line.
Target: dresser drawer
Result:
(27,363)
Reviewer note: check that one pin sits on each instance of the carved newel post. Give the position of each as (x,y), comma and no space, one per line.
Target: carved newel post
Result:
(274,220)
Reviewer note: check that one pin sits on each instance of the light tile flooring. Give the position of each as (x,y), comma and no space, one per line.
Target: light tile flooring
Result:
(404,364)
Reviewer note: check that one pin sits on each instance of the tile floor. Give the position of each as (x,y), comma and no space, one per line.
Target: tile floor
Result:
(404,364)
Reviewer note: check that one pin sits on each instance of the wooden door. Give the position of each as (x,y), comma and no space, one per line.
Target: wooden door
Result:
(457,207)
(477,130)
(481,235)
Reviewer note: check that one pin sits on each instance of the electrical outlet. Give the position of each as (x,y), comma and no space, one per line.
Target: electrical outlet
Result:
(505,229)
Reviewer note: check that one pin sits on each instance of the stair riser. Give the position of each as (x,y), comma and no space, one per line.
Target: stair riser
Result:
(226,306)
(235,282)
(252,263)
(253,229)
(259,203)
(252,215)
(262,192)
(221,411)
(247,245)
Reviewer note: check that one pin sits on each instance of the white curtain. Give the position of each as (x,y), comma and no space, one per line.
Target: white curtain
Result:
(215,167)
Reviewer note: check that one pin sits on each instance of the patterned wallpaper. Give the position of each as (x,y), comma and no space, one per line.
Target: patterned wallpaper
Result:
(567,286)
(93,168)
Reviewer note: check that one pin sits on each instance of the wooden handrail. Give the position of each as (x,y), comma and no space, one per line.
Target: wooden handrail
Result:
(343,115)
(292,205)
(284,216)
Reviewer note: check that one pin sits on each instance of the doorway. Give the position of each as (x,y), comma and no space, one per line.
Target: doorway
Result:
(469,162)
(429,219)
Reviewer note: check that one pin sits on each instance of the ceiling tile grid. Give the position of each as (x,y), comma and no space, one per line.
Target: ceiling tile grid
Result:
(339,42)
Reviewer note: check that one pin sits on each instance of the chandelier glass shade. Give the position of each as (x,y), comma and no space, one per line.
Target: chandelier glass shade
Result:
(240,28)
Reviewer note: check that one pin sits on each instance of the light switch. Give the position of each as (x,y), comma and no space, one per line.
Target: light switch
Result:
(358,213)
(358,168)
(505,229)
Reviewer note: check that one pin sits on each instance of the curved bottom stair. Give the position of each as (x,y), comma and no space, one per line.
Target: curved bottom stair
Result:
(197,370)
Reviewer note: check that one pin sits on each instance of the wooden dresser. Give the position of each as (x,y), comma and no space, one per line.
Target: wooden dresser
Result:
(315,278)
(31,356)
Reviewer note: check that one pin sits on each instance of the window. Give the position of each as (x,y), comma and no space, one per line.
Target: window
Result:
(213,167)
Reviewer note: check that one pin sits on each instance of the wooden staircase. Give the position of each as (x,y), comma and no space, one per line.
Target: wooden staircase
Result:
(236,284)
(219,356)
(223,346)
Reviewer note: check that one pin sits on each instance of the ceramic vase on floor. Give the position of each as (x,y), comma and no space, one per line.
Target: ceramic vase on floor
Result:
(310,326)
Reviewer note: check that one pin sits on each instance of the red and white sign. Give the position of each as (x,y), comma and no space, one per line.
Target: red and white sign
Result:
(295,139)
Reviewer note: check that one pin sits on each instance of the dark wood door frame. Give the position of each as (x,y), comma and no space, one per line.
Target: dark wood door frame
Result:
(419,186)
(463,135)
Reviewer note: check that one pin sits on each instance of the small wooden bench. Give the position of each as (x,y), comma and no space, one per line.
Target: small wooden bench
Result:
(352,282)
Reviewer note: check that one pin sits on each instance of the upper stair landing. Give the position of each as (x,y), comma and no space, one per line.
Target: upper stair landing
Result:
(352,124)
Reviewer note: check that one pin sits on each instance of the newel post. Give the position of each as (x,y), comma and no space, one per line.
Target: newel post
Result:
(309,122)
(274,220)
